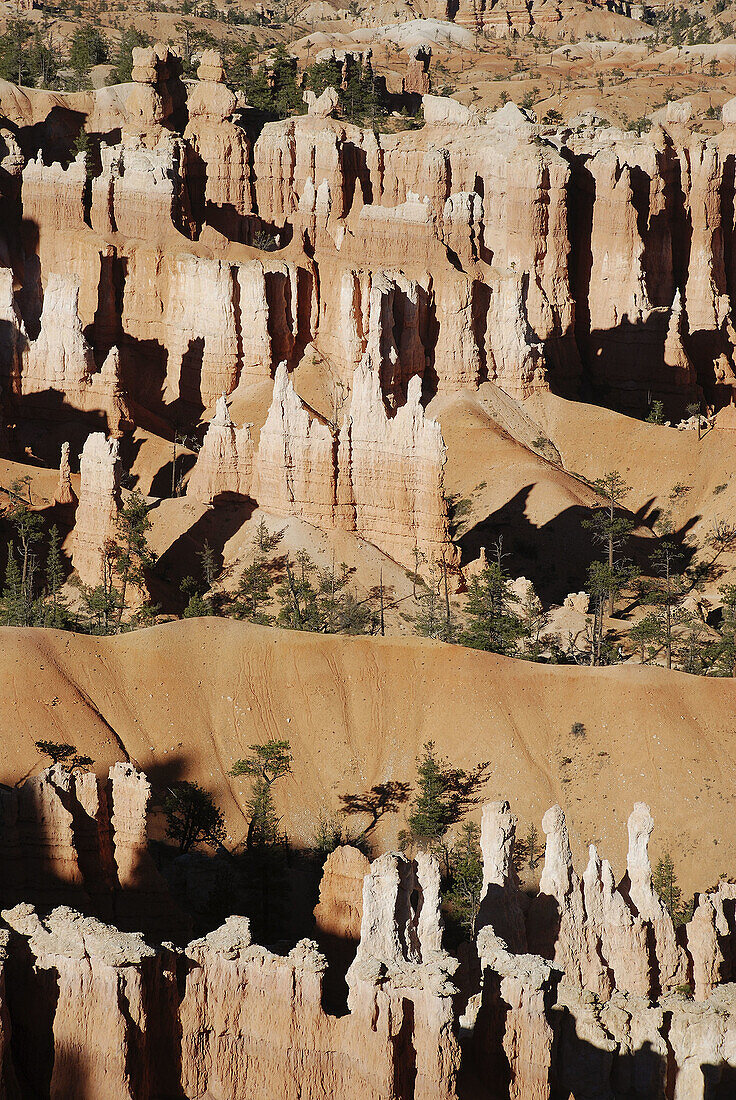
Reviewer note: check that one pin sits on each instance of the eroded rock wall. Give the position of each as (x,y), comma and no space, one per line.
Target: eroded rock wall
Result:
(69,838)
(380,477)
(481,247)
(92,1011)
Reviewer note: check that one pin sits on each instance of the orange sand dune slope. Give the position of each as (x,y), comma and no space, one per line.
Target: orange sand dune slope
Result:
(186,699)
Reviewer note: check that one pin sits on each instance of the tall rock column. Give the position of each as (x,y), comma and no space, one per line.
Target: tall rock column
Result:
(295,471)
(100,471)
(143,900)
(512,1036)
(60,359)
(500,903)
(12,336)
(400,981)
(340,908)
(557,918)
(218,176)
(64,492)
(707,933)
(669,957)
(253,1025)
(225,462)
(617,935)
(47,849)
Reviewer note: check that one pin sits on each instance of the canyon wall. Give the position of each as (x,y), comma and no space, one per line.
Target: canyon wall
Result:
(379,477)
(187,262)
(589,261)
(69,838)
(585,989)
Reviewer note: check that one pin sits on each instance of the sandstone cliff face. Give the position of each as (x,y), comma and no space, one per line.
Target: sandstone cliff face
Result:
(12,335)
(138,191)
(612,953)
(95,966)
(400,941)
(218,161)
(53,196)
(295,468)
(58,367)
(60,359)
(339,911)
(70,838)
(225,462)
(391,473)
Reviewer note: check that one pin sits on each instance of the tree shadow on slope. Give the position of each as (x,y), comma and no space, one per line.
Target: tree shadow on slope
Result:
(183,557)
(555,556)
(44,421)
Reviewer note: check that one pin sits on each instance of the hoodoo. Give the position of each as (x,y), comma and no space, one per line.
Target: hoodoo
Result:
(368,551)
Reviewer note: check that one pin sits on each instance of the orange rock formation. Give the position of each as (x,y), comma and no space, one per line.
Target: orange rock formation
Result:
(99,503)
(225,1017)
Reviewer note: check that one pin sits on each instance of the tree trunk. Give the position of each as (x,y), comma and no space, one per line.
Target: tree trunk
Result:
(382,623)
(610,560)
(447,602)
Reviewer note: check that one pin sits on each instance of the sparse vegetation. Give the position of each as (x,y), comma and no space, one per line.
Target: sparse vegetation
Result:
(444,795)
(265,764)
(666,886)
(62,753)
(192,816)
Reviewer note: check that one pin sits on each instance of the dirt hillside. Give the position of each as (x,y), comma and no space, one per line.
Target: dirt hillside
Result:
(186,699)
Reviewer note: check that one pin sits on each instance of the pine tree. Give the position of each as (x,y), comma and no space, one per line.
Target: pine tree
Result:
(668,586)
(265,765)
(209,565)
(15,608)
(133,555)
(466,878)
(265,540)
(492,624)
(444,796)
(88,47)
(297,595)
(14,52)
(722,653)
(55,612)
(647,636)
(28,527)
(665,885)
(122,58)
(533,619)
(254,591)
(60,752)
(102,604)
(611,530)
(429,620)
(601,583)
(193,817)
(198,607)
(338,610)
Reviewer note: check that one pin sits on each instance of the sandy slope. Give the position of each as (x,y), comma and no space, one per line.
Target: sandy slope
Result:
(652,459)
(187,699)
